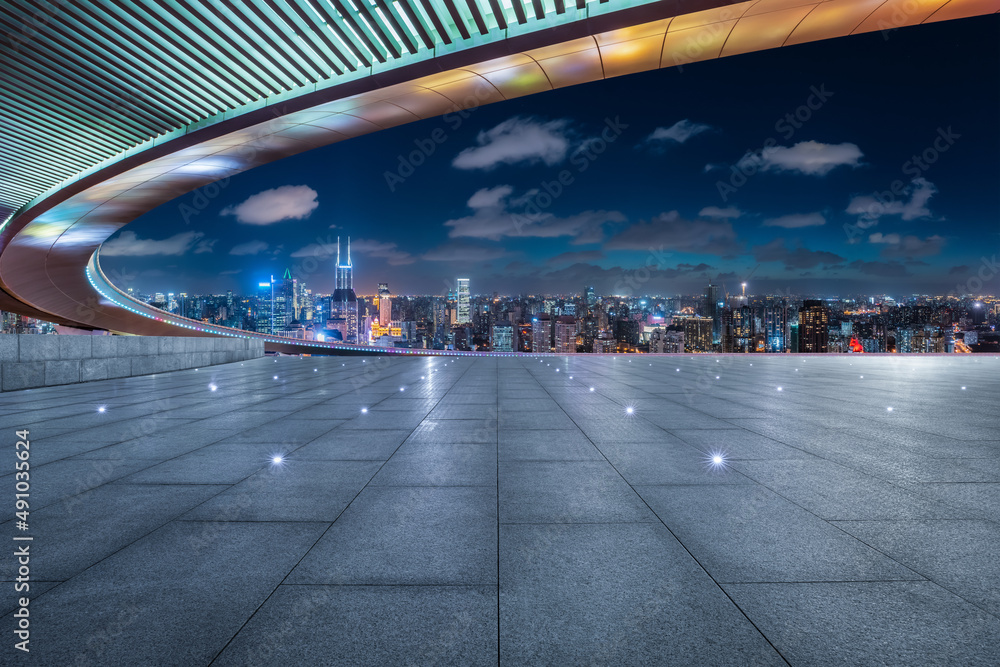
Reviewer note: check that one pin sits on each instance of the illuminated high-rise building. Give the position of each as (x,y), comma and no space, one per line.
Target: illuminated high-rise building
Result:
(541,333)
(713,310)
(384,305)
(503,337)
(814,321)
(284,302)
(697,333)
(464,314)
(565,334)
(775,327)
(344,302)
(590,297)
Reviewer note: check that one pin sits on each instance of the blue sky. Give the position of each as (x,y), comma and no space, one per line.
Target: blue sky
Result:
(862,164)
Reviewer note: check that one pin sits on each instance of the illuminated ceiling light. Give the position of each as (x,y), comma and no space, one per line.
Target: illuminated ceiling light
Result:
(963,388)
(364,411)
(888,409)
(629,410)
(276,459)
(212,387)
(779,388)
(102,409)
(591,389)
(275,377)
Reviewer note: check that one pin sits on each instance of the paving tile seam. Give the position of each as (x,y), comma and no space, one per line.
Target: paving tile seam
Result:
(278,521)
(330,527)
(580,523)
(488,585)
(686,549)
(896,484)
(831,581)
(924,575)
(120,481)
(191,509)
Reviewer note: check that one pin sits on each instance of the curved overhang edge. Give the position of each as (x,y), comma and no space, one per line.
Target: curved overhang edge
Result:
(64,261)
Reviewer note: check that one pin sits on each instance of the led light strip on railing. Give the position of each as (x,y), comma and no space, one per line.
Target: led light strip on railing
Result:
(182,322)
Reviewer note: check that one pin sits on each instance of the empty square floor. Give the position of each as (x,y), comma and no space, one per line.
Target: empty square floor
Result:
(599,510)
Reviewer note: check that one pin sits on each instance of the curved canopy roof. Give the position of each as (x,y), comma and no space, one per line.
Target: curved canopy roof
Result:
(117,107)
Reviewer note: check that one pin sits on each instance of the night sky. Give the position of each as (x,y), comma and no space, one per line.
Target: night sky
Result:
(705,177)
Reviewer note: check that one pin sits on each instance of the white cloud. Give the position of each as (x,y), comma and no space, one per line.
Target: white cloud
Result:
(679,132)
(205,245)
(390,252)
(908,246)
(463,252)
(128,244)
(806,157)
(288,202)
(669,232)
(321,251)
(796,220)
(249,248)
(496,214)
(870,209)
(517,140)
(728,213)
(489,197)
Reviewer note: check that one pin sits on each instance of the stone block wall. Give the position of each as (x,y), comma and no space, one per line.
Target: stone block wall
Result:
(28,361)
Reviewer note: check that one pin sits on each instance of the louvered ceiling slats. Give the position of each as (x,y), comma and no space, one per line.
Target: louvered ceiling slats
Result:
(85,81)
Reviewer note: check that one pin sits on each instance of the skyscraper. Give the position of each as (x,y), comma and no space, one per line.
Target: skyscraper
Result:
(814,320)
(589,296)
(713,310)
(697,333)
(541,333)
(464,311)
(775,324)
(344,302)
(565,338)
(503,337)
(384,305)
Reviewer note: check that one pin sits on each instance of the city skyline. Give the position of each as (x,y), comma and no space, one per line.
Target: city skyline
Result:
(672,197)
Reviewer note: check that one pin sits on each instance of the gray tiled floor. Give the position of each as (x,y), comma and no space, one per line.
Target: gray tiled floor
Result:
(500,510)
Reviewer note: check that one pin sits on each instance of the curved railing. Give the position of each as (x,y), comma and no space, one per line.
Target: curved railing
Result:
(108,290)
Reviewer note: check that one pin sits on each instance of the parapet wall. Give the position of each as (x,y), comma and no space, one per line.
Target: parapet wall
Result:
(28,361)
